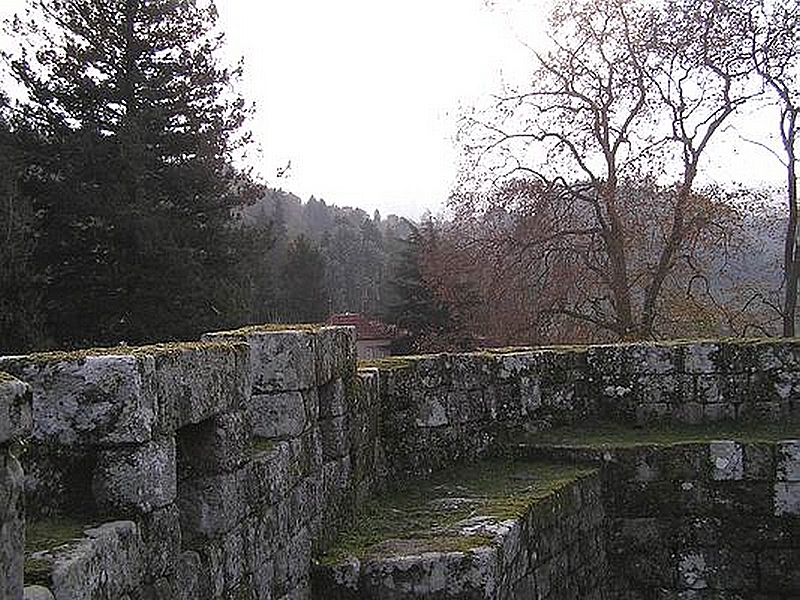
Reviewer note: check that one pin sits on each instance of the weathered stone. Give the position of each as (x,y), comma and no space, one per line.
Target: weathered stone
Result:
(702,357)
(439,575)
(334,353)
(108,563)
(787,498)
(136,480)
(197,381)
(759,461)
(335,441)
(279,360)
(216,445)
(12,526)
(210,506)
(37,592)
(266,476)
(188,576)
(788,461)
(331,399)
(432,411)
(277,415)
(102,399)
(15,409)
(726,460)
(161,541)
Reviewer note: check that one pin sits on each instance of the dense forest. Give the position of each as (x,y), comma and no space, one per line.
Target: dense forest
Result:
(580,214)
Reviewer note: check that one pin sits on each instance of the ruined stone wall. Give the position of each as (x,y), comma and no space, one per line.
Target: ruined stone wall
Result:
(698,520)
(706,520)
(557,550)
(15,424)
(215,469)
(438,409)
(201,470)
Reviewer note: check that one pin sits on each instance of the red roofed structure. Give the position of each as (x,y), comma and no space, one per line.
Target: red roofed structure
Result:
(373,338)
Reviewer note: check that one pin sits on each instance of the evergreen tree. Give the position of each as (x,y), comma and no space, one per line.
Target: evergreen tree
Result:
(132,172)
(305,293)
(20,321)
(416,310)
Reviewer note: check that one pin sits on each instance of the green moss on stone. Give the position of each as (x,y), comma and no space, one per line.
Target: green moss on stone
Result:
(46,535)
(171,348)
(6,377)
(389,363)
(425,516)
(263,445)
(271,328)
(608,434)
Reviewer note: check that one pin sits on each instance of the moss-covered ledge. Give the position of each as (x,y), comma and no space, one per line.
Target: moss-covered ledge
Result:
(469,531)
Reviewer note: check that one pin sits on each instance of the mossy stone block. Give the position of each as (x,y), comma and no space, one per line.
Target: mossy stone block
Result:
(102,399)
(138,480)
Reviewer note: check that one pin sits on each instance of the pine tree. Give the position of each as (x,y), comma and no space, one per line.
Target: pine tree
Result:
(137,129)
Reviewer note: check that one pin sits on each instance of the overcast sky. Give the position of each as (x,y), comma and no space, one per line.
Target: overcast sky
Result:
(362,96)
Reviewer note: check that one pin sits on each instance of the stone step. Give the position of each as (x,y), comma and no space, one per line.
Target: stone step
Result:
(491,530)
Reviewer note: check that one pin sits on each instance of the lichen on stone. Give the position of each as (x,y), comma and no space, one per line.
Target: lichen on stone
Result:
(439,514)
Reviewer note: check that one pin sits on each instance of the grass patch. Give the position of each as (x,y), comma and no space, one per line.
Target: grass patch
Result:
(46,535)
(425,516)
(606,434)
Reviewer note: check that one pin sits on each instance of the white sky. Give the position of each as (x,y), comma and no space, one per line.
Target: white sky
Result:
(363,95)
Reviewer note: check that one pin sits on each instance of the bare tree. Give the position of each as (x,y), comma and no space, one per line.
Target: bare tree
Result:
(775,51)
(626,100)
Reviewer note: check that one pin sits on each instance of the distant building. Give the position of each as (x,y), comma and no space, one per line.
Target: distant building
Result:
(373,338)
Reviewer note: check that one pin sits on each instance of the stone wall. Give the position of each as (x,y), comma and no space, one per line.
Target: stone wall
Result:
(706,520)
(697,520)
(206,470)
(216,469)
(437,409)
(15,421)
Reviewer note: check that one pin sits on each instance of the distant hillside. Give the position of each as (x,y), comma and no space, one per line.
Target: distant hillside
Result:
(323,259)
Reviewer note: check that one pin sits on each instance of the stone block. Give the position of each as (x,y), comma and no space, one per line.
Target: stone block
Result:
(788,460)
(759,461)
(37,592)
(108,563)
(12,526)
(15,409)
(266,476)
(726,460)
(210,506)
(334,353)
(277,415)
(332,399)
(787,498)
(443,575)
(280,361)
(197,381)
(88,399)
(432,411)
(161,541)
(136,480)
(334,434)
(702,357)
(188,576)
(218,444)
